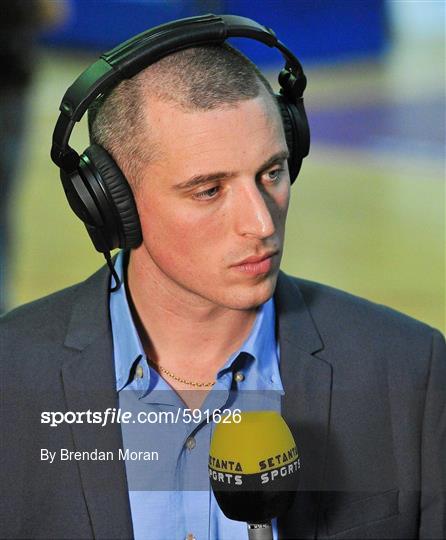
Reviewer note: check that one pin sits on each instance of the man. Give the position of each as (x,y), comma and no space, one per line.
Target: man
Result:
(204,307)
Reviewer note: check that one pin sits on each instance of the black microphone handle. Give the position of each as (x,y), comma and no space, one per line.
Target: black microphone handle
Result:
(260,531)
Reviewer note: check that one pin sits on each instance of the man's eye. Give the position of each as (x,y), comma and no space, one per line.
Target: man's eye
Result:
(274,175)
(207,194)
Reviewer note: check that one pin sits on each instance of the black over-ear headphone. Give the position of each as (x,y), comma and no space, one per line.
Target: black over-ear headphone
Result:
(95,187)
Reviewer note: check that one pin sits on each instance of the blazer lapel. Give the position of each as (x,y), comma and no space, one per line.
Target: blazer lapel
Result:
(307,382)
(89,384)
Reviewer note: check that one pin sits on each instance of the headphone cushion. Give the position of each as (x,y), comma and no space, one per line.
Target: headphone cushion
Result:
(120,194)
(291,136)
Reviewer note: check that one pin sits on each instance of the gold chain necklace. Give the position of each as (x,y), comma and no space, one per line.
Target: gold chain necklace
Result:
(184,381)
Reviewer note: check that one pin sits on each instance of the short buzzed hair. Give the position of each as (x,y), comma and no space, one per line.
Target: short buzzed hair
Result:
(198,78)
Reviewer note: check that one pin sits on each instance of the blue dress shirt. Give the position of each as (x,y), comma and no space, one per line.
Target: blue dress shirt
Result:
(169,488)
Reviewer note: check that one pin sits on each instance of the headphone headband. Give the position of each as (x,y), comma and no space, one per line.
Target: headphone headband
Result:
(95,186)
(130,57)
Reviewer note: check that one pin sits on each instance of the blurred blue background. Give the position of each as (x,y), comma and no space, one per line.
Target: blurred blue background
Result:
(367,213)
(102,24)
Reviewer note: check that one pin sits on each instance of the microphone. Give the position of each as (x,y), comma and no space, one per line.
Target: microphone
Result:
(253,469)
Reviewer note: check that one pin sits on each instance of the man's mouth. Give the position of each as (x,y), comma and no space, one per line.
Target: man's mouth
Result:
(256,264)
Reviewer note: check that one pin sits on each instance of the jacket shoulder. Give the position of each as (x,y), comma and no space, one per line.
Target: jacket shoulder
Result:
(33,337)
(339,307)
(353,327)
(363,339)
(48,315)
(31,340)
(46,320)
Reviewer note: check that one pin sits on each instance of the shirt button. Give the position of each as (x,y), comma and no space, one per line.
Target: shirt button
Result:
(239,376)
(190,536)
(190,444)
(139,374)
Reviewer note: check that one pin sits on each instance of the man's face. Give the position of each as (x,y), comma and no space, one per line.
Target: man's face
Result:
(213,203)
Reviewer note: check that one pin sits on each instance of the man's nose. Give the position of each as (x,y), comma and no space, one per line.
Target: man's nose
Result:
(254,212)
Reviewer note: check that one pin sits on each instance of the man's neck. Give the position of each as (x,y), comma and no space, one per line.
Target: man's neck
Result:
(184,333)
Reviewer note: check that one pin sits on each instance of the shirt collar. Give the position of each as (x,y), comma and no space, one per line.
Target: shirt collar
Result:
(259,352)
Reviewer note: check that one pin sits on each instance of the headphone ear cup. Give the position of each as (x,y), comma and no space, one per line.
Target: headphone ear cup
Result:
(297,132)
(120,197)
(80,199)
(88,201)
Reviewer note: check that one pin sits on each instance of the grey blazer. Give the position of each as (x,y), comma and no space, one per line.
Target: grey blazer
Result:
(364,397)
